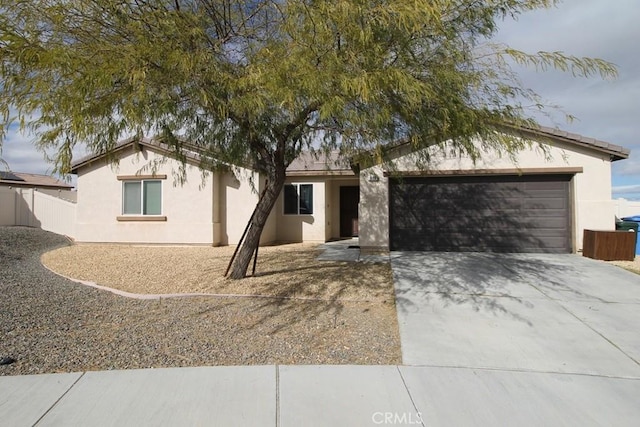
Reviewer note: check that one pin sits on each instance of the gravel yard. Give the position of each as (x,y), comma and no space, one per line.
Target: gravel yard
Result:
(629,265)
(51,324)
(284,270)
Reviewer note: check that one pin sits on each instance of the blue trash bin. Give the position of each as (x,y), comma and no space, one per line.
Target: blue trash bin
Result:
(635,219)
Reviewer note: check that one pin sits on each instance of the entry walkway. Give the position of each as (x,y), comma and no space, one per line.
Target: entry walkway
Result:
(349,250)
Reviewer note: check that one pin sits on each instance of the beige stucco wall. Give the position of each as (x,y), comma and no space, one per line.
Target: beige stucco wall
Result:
(239,193)
(374,208)
(593,207)
(624,208)
(324,224)
(270,230)
(303,228)
(189,208)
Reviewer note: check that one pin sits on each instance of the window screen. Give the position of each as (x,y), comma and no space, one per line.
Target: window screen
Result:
(142,197)
(132,198)
(298,199)
(152,198)
(290,199)
(306,199)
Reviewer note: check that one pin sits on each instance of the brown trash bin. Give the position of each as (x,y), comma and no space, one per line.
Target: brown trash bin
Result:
(609,245)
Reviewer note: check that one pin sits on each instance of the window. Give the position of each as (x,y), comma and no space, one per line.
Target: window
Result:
(142,197)
(298,199)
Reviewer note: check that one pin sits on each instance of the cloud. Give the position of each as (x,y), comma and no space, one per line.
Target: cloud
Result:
(627,195)
(622,189)
(629,167)
(19,151)
(606,109)
(21,154)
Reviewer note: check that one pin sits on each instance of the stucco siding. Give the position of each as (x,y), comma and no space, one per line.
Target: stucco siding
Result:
(238,198)
(374,208)
(330,217)
(188,207)
(625,208)
(303,228)
(592,209)
(270,230)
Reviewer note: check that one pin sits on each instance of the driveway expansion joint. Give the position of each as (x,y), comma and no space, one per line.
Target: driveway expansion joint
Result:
(406,387)
(59,399)
(525,371)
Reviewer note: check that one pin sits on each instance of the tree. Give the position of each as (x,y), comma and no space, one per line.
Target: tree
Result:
(257,81)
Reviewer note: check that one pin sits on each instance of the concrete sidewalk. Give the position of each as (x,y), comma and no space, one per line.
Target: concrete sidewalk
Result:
(317,396)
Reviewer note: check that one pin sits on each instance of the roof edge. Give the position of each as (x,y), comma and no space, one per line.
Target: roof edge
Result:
(616,152)
(31,184)
(192,154)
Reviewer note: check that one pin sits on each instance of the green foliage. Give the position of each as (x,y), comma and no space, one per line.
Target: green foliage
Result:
(256,81)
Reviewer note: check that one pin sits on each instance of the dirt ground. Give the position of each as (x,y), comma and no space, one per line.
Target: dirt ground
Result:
(284,270)
(334,313)
(629,265)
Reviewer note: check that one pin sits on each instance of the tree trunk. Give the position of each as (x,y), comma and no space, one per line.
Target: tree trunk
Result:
(252,239)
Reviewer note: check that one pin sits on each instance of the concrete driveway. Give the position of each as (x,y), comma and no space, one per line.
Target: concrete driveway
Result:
(559,330)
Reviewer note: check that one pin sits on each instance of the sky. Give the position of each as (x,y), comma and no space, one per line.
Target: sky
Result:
(608,110)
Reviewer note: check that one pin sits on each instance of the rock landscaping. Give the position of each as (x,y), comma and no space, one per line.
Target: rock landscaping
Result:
(52,324)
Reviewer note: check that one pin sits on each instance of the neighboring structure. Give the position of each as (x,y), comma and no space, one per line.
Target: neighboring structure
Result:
(625,208)
(34,200)
(43,183)
(538,203)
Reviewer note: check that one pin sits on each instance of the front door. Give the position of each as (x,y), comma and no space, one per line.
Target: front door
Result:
(349,199)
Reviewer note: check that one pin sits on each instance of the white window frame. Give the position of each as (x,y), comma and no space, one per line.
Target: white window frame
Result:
(297,185)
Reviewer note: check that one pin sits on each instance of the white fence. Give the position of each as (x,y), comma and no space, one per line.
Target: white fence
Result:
(32,208)
(626,208)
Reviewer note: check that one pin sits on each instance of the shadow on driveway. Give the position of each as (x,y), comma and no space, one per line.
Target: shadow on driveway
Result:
(538,312)
(467,278)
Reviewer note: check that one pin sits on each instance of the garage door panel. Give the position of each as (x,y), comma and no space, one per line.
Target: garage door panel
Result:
(544,185)
(546,195)
(485,220)
(545,203)
(535,223)
(473,242)
(500,214)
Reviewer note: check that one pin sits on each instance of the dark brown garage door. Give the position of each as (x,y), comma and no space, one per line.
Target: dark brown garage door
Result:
(481,213)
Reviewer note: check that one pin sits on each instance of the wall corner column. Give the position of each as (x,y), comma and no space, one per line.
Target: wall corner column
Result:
(216,192)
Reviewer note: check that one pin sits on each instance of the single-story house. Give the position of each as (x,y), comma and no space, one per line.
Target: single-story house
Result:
(541,201)
(139,200)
